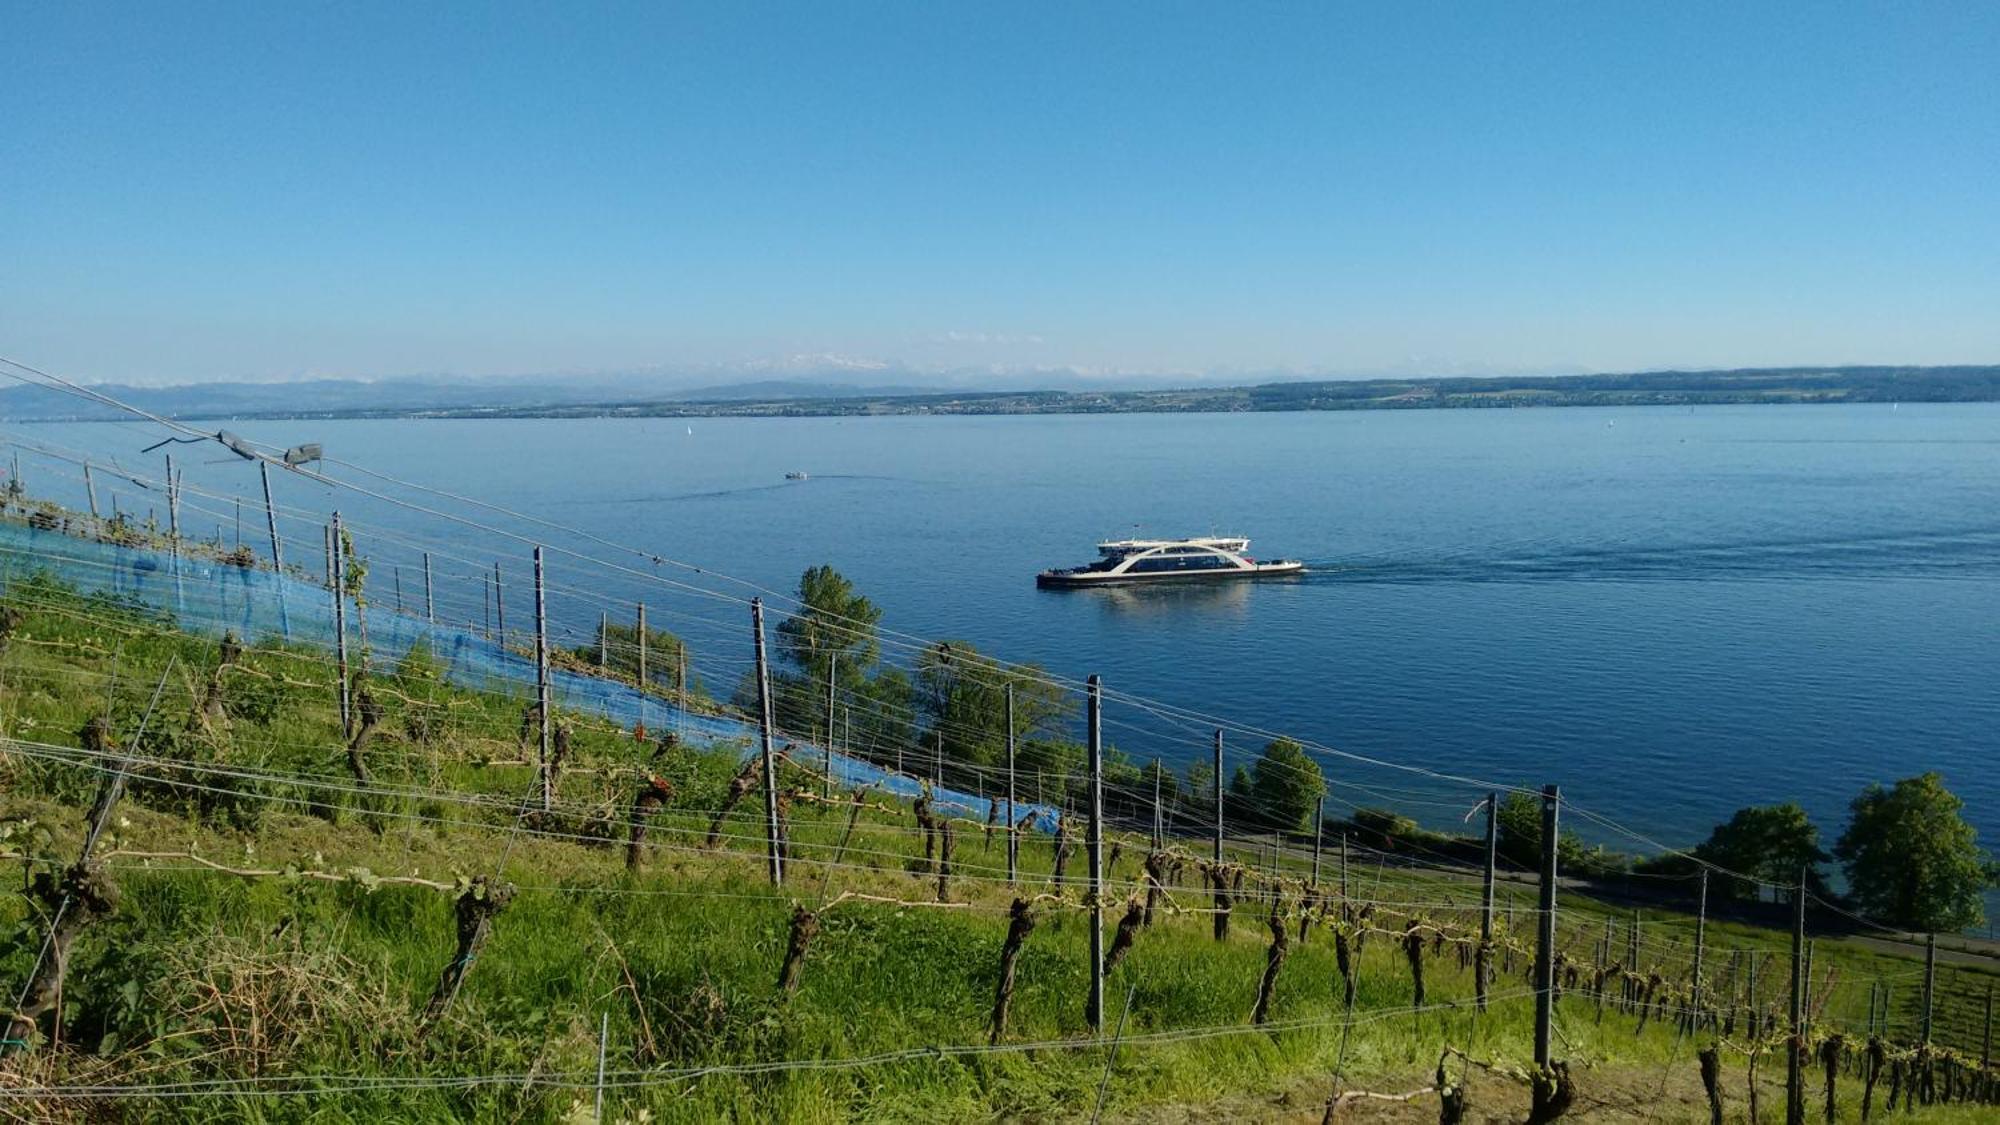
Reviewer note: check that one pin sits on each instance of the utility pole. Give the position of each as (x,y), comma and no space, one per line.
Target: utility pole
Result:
(1095,1013)
(1013,834)
(1545,943)
(430,606)
(777,858)
(543,703)
(337,574)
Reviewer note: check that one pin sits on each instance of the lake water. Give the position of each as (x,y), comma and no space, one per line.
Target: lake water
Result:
(1670,612)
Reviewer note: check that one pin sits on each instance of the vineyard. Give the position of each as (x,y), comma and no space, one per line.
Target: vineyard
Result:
(291,847)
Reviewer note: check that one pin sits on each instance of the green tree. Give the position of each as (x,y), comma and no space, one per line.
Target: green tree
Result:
(1911,859)
(834,626)
(1285,785)
(833,620)
(964,693)
(1769,843)
(1520,840)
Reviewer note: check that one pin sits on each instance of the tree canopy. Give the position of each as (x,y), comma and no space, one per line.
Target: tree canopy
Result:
(1911,859)
(833,619)
(1769,843)
(1286,785)
(964,692)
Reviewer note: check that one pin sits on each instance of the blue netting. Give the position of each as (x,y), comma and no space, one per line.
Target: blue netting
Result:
(211,597)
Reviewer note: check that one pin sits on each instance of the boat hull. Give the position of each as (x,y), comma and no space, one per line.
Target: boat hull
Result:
(1078,580)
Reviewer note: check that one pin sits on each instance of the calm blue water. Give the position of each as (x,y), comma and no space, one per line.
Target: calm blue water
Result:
(1671,613)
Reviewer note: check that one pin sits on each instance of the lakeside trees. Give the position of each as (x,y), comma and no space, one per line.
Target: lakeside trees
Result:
(1771,844)
(1909,857)
(1911,860)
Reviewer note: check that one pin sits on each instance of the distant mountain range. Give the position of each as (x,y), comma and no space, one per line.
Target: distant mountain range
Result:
(1059,392)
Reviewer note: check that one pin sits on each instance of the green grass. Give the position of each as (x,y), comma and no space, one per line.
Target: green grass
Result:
(201,975)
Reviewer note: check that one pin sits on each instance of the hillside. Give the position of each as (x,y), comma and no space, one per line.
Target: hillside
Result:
(284,919)
(609,397)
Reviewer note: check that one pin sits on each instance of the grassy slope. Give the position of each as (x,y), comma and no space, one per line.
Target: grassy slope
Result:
(204,975)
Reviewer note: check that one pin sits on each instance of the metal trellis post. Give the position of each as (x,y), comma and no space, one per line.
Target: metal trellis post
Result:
(776,855)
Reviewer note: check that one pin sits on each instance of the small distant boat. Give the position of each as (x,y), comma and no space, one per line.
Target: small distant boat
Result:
(1163,560)
(795,476)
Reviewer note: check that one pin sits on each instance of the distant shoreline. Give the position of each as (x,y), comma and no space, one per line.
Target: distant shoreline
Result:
(1749,386)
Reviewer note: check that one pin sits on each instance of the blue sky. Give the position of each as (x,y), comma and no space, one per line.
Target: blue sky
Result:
(258,191)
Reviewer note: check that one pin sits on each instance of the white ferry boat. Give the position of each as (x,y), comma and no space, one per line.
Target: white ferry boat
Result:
(1123,561)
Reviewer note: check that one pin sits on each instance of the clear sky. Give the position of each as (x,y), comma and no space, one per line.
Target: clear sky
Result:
(266,190)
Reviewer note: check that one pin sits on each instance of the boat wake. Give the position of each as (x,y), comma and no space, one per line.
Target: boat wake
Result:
(1964,553)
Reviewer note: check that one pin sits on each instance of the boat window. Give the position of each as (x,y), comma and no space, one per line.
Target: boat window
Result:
(1178,562)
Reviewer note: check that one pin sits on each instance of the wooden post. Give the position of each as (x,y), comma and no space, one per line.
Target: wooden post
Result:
(832,662)
(1343,869)
(499,606)
(603,641)
(173,509)
(543,703)
(1095,1012)
(239,523)
(1159,824)
(1700,937)
(640,627)
(396,580)
(486,606)
(326,537)
(1632,982)
(1013,834)
(937,761)
(1319,832)
(1930,983)
(430,606)
(270,524)
(1482,966)
(1545,942)
(90,488)
(1986,1047)
(1754,1014)
(777,859)
(1218,794)
(1795,1091)
(337,573)
(1809,981)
